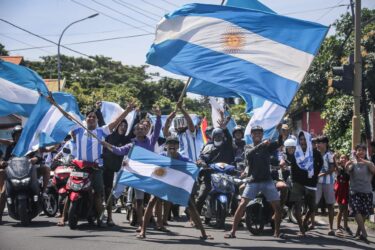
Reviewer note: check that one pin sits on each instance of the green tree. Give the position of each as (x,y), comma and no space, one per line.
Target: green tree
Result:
(3,51)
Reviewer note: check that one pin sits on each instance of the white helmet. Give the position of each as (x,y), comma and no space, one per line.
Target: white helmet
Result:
(290,143)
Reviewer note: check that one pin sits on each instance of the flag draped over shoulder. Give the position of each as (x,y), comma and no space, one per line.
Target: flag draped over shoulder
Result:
(19,89)
(166,178)
(246,51)
(46,124)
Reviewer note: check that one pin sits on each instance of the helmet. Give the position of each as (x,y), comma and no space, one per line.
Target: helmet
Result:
(179,122)
(256,128)
(16,129)
(238,128)
(217,132)
(290,143)
(172,139)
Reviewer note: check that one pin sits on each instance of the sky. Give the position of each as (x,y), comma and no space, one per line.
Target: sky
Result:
(118,19)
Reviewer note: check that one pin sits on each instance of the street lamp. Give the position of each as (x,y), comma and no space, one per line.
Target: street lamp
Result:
(58,47)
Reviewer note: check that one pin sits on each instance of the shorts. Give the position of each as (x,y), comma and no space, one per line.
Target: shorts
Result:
(361,203)
(327,191)
(266,187)
(300,192)
(97,181)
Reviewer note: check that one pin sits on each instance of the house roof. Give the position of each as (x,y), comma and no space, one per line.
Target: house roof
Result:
(13,59)
(52,84)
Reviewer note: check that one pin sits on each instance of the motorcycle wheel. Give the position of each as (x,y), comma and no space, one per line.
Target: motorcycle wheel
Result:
(73,217)
(291,213)
(221,213)
(50,205)
(22,212)
(254,225)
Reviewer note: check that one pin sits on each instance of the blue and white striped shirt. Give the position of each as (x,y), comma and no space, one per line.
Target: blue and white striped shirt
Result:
(187,144)
(328,160)
(89,148)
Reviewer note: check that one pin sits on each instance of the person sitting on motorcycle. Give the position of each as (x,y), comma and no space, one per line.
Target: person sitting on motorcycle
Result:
(34,157)
(172,144)
(238,143)
(220,149)
(90,149)
(257,157)
(303,183)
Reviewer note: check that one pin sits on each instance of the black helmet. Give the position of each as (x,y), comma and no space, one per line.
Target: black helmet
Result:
(256,128)
(238,128)
(172,139)
(17,129)
(217,132)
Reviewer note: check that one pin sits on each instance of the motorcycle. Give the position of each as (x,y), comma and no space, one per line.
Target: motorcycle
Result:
(223,187)
(258,214)
(22,190)
(80,193)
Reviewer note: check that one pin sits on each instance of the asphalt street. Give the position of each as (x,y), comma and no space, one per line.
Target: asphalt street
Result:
(44,234)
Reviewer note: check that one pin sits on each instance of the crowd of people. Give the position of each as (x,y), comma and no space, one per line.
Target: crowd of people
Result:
(316,173)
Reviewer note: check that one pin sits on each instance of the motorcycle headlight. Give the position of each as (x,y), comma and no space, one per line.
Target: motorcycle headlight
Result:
(25,181)
(15,182)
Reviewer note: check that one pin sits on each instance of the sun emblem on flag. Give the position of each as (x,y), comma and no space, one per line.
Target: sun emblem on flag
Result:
(233,40)
(160,172)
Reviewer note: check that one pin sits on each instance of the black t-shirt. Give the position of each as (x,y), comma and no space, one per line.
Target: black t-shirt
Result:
(258,160)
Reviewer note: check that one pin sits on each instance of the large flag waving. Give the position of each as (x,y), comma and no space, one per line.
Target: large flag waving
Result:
(111,111)
(246,51)
(47,125)
(166,178)
(268,117)
(19,89)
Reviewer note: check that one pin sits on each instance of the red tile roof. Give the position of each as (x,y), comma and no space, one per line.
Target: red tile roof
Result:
(13,59)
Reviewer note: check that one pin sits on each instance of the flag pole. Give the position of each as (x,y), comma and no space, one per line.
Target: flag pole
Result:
(67,115)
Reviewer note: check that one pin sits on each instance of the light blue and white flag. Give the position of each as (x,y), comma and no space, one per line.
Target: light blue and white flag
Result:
(216,107)
(19,89)
(111,111)
(268,117)
(305,160)
(209,89)
(47,125)
(169,179)
(246,51)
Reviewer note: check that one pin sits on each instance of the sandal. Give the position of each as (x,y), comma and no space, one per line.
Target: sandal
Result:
(364,239)
(61,223)
(140,236)
(139,229)
(331,233)
(280,236)
(206,237)
(229,236)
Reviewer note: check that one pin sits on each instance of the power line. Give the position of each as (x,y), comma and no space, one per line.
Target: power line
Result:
(328,11)
(45,39)
(90,41)
(175,5)
(123,14)
(135,10)
(136,7)
(155,6)
(104,14)
(9,37)
(314,10)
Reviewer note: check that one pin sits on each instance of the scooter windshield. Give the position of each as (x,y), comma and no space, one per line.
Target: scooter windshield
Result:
(19,167)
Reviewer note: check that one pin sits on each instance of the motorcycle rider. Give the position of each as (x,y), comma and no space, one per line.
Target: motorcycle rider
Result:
(238,142)
(257,157)
(220,149)
(34,158)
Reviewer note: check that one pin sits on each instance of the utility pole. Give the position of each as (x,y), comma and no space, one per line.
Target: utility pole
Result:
(357,90)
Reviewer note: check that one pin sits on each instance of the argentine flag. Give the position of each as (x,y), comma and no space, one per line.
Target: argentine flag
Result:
(246,51)
(268,116)
(111,111)
(47,125)
(169,179)
(19,89)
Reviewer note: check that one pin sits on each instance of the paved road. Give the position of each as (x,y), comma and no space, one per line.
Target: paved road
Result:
(43,234)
